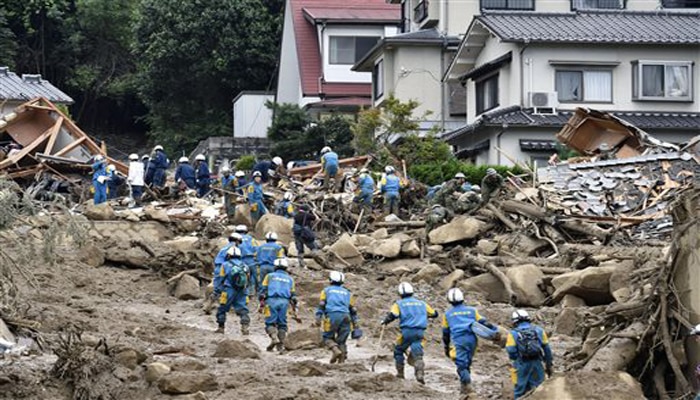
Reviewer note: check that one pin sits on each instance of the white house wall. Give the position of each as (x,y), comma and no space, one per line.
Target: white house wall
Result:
(417,77)
(289,81)
(342,73)
(251,117)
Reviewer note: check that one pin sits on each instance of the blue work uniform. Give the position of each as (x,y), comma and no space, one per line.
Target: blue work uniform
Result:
(239,184)
(249,246)
(337,308)
(219,261)
(255,195)
(366,184)
(113,184)
(457,335)
(227,182)
(264,167)
(391,184)
(99,170)
(527,374)
(329,162)
(149,168)
(203,179)
(285,208)
(265,256)
(413,317)
(185,172)
(160,164)
(233,294)
(277,291)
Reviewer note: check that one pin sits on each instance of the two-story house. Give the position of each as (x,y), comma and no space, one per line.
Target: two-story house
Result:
(525,72)
(321,40)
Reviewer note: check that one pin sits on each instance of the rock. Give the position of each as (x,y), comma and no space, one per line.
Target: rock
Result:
(521,244)
(156,214)
(307,368)
(155,371)
(187,288)
(99,212)
(242,216)
(486,284)
(427,273)
(382,233)
(236,349)
(362,240)
(569,300)
(345,248)
(387,248)
(130,358)
(309,338)
(187,382)
(434,249)
(92,255)
(592,284)
(184,244)
(129,216)
(392,218)
(487,247)
(410,249)
(526,193)
(5,333)
(589,386)
(412,265)
(450,280)
(620,287)
(400,271)
(459,229)
(567,321)
(275,223)
(188,364)
(526,281)
(194,396)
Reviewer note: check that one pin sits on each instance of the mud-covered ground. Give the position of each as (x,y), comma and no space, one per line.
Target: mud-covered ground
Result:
(131,308)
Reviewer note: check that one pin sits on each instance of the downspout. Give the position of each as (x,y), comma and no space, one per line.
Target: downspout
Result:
(323,62)
(498,143)
(523,98)
(443,17)
(443,92)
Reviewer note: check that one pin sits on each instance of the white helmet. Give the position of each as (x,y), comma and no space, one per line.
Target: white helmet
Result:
(405,289)
(158,147)
(695,330)
(325,150)
(277,160)
(200,157)
(235,236)
(455,295)
(133,157)
(183,159)
(364,171)
(145,157)
(288,195)
(476,189)
(225,169)
(240,174)
(491,171)
(234,251)
(519,316)
(337,277)
(281,263)
(271,236)
(241,228)
(460,175)
(111,168)
(256,174)
(99,157)
(388,169)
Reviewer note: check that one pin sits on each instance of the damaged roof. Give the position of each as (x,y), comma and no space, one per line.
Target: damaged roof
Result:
(599,26)
(27,87)
(524,117)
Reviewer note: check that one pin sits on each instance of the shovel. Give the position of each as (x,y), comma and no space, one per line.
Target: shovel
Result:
(379,344)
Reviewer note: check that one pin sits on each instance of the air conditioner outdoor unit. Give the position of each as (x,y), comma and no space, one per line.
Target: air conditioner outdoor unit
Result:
(544,102)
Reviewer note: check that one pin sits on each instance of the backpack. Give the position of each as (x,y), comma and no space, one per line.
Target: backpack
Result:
(238,277)
(528,344)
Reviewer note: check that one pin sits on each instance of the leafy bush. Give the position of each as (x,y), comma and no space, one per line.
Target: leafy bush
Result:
(245,163)
(434,173)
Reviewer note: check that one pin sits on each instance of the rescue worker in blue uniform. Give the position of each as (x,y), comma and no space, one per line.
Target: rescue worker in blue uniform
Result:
(114,182)
(234,240)
(303,234)
(255,195)
(413,317)
(285,208)
(366,185)
(266,255)
(203,175)
(249,246)
(329,164)
(278,291)
(234,291)
(459,339)
(99,179)
(160,164)
(184,174)
(147,169)
(337,313)
(268,168)
(227,180)
(390,187)
(240,182)
(528,348)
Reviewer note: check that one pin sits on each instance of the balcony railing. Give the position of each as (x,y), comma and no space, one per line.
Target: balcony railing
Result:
(597,4)
(507,4)
(680,3)
(420,12)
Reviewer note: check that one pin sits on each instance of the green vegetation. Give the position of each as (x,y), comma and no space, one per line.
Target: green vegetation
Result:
(245,163)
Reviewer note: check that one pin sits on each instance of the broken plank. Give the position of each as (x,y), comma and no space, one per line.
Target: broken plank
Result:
(400,224)
(53,135)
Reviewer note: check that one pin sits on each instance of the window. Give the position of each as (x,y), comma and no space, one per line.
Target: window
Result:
(597,4)
(487,94)
(457,105)
(507,4)
(662,81)
(350,49)
(680,3)
(421,11)
(581,85)
(378,79)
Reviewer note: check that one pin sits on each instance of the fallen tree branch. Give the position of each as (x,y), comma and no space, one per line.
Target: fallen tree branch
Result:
(502,217)
(181,274)
(667,342)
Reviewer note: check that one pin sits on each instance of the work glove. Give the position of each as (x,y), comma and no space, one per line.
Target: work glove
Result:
(497,337)
(549,371)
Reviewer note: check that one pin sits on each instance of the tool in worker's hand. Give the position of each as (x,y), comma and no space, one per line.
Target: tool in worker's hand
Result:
(379,345)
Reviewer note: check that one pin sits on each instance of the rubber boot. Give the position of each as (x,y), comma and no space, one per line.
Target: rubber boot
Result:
(281,335)
(399,371)
(274,341)
(245,331)
(302,264)
(220,329)
(337,353)
(410,360)
(343,357)
(466,391)
(420,370)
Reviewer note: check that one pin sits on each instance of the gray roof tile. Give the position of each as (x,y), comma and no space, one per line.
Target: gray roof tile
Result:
(27,87)
(600,26)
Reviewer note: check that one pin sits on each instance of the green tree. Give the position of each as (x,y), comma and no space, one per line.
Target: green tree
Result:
(8,47)
(194,56)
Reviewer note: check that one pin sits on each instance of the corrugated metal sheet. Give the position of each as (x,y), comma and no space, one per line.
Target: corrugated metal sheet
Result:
(28,87)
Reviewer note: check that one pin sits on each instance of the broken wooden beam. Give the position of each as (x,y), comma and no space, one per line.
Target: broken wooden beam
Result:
(400,224)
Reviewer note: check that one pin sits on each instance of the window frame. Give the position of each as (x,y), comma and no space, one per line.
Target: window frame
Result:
(378,70)
(638,87)
(420,11)
(680,4)
(478,90)
(583,70)
(531,8)
(356,57)
(623,4)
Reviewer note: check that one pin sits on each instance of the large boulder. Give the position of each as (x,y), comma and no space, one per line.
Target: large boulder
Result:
(451,279)
(309,338)
(92,255)
(156,214)
(387,248)
(486,284)
(592,284)
(620,287)
(568,321)
(345,247)
(155,371)
(590,386)
(274,223)
(236,349)
(459,229)
(410,249)
(184,244)
(99,212)
(187,382)
(130,358)
(487,247)
(571,301)
(427,273)
(242,216)
(406,265)
(379,234)
(521,244)
(526,281)
(187,288)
